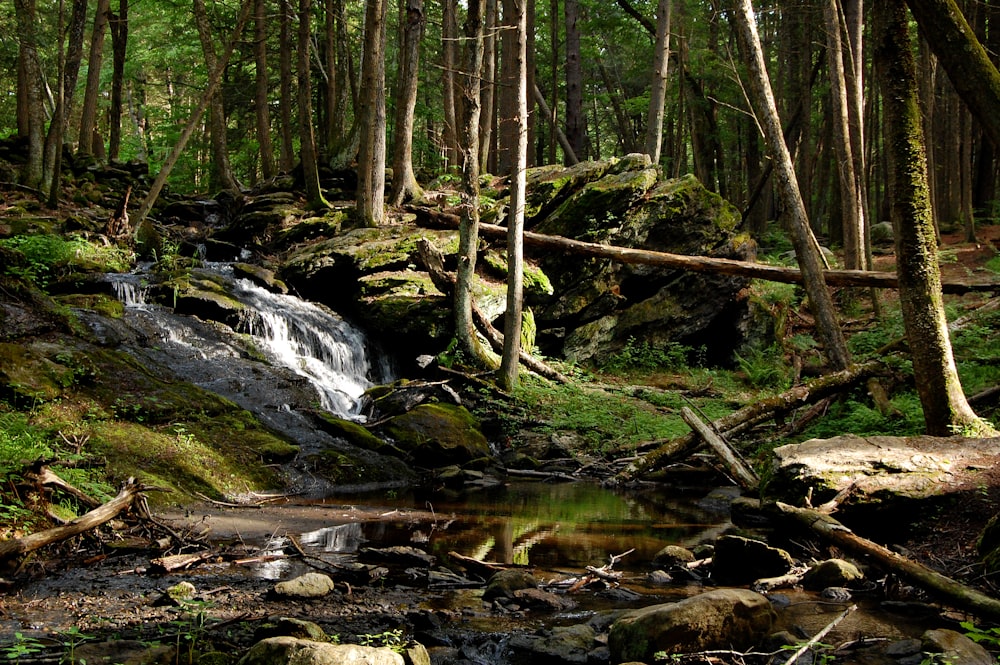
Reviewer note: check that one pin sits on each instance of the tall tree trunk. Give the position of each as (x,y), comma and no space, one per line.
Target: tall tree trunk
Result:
(806,248)
(285,99)
(371,153)
(88,113)
(851,212)
(262,85)
(31,71)
(346,136)
(449,49)
(119,46)
(74,54)
(404,182)
(576,128)
(52,169)
(307,137)
(489,87)
(510,359)
(658,89)
(222,176)
(468,234)
(944,404)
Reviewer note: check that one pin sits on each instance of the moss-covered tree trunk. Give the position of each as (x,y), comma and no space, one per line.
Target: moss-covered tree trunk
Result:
(944,403)
(371,111)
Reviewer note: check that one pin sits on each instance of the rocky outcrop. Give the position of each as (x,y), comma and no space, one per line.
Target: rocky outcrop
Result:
(718,619)
(438,433)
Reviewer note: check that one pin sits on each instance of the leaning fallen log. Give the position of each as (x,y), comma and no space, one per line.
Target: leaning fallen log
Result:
(854,278)
(750,416)
(736,467)
(130,491)
(949,591)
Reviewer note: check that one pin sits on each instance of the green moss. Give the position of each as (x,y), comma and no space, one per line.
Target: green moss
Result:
(351,432)
(438,433)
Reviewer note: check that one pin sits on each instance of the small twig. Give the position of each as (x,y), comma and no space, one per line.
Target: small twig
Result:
(820,635)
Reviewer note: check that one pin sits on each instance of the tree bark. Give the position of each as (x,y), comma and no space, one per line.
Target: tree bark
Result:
(806,249)
(741,473)
(119,45)
(569,154)
(262,86)
(509,361)
(968,65)
(30,71)
(307,136)
(52,168)
(658,89)
(944,404)
(576,130)
(489,86)
(371,152)
(88,113)
(449,61)
(404,181)
(285,100)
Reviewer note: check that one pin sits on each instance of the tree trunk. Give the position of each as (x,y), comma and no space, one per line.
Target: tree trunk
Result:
(404,182)
(509,361)
(944,404)
(262,85)
(74,54)
(88,114)
(489,86)
(449,60)
(371,152)
(468,234)
(806,248)
(576,130)
(52,168)
(346,136)
(119,46)
(221,170)
(31,72)
(307,137)
(658,89)
(285,100)
(968,65)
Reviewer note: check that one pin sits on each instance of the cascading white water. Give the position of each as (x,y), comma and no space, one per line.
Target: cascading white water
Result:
(311,341)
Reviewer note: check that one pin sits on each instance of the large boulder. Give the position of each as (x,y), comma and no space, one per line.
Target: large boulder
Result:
(289,650)
(438,434)
(718,619)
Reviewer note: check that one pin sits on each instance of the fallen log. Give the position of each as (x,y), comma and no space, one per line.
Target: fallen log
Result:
(741,473)
(949,591)
(750,416)
(848,278)
(175,562)
(130,491)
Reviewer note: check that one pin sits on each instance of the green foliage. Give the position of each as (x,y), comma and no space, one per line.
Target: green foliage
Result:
(391,639)
(858,417)
(20,441)
(993,265)
(23,646)
(764,368)
(989,637)
(643,356)
(49,256)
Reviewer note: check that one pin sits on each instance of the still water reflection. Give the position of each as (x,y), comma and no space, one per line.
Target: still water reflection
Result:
(549,526)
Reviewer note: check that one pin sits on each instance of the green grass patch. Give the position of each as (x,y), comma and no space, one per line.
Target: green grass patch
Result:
(47,257)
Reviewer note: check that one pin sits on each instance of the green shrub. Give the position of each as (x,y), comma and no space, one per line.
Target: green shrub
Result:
(636,356)
(49,256)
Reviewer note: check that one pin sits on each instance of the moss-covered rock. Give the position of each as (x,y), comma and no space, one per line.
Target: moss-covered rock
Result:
(438,435)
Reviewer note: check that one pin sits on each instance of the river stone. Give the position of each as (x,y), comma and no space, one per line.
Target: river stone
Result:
(505,582)
(739,560)
(438,434)
(401,555)
(417,654)
(673,555)
(290,650)
(544,600)
(123,652)
(717,619)
(310,585)
(291,627)
(955,648)
(260,276)
(564,644)
(891,471)
(831,573)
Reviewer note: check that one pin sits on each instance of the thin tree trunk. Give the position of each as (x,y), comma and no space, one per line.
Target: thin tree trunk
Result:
(88,114)
(285,101)
(307,137)
(449,49)
(509,361)
(404,181)
(570,155)
(658,89)
(262,85)
(944,404)
(576,130)
(222,171)
(468,234)
(215,77)
(119,45)
(806,248)
(489,84)
(57,128)
(74,54)
(371,153)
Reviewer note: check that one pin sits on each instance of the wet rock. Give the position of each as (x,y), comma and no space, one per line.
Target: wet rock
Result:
(290,627)
(837,594)
(505,582)
(260,276)
(123,652)
(673,555)
(400,555)
(659,578)
(718,619)
(289,650)
(740,560)
(543,600)
(955,648)
(310,585)
(438,433)
(417,654)
(567,644)
(178,594)
(831,573)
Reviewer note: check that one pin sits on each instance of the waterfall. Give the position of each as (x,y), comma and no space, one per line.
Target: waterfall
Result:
(307,339)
